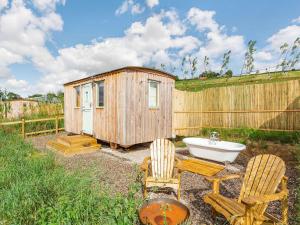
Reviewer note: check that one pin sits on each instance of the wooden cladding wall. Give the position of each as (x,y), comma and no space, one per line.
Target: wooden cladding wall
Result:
(126,118)
(274,106)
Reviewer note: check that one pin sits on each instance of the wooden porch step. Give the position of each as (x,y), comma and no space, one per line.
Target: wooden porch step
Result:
(77,144)
(77,140)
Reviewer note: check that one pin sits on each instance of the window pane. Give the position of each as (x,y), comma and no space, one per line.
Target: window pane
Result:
(100,98)
(153,94)
(77,93)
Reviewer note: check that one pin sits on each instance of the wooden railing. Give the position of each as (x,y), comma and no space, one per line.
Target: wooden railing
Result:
(23,123)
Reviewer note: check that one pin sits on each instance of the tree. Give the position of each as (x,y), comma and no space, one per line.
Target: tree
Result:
(5,106)
(60,96)
(36,96)
(284,48)
(206,63)
(13,96)
(183,67)
(51,97)
(249,60)
(289,56)
(225,62)
(193,65)
(228,73)
(163,67)
(295,54)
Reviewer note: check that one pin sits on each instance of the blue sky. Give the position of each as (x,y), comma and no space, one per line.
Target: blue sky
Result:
(44,43)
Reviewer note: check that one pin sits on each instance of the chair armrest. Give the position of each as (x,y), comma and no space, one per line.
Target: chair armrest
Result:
(145,164)
(256,200)
(217,180)
(226,177)
(177,162)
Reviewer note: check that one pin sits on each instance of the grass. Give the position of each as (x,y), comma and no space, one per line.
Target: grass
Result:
(35,190)
(243,135)
(198,85)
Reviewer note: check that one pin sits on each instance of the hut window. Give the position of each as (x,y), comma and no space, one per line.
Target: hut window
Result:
(77,96)
(153,94)
(100,93)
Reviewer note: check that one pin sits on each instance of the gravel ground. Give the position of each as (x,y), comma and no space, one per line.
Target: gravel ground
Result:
(117,173)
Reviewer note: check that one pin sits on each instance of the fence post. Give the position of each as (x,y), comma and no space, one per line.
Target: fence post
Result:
(23,128)
(56,124)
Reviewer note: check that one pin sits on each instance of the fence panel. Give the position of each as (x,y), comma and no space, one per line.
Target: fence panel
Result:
(269,106)
(23,123)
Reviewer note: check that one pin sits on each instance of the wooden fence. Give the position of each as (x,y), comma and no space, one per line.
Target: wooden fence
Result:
(269,106)
(23,123)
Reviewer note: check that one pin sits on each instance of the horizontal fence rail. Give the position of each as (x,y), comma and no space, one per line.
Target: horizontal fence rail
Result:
(269,106)
(23,123)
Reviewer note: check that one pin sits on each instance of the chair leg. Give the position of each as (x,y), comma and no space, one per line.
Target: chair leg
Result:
(179,186)
(145,191)
(178,193)
(285,211)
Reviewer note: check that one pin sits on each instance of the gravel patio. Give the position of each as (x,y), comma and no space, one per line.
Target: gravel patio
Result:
(117,169)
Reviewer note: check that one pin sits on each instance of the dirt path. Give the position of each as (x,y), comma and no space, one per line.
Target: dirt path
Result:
(117,173)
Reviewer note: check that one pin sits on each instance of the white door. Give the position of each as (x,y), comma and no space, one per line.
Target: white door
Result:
(87,108)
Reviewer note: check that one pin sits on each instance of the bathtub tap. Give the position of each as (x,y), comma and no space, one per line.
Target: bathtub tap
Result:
(214,137)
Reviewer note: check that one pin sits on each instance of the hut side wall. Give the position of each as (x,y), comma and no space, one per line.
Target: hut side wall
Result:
(109,120)
(142,123)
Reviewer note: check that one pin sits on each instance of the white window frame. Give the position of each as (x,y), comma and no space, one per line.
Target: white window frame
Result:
(80,101)
(97,94)
(157,94)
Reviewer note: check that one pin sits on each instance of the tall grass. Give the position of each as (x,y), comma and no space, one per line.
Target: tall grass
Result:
(35,190)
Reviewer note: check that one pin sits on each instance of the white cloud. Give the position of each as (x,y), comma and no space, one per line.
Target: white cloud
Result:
(287,34)
(47,5)
(269,56)
(137,9)
(3,3)
(297,20)
(129,5)
(152,3)
(142,44)
(263,55)
(215,42)
(203,20)
(160,38)
(23,36)
(124,7)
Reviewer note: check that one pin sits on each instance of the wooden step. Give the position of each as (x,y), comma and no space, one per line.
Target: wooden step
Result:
(77,140)
(77,144)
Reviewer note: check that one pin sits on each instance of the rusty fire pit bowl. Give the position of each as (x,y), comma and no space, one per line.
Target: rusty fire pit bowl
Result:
(163,211)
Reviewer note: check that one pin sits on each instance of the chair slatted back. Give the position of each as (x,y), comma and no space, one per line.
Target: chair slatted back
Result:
(162,158)
(263,175)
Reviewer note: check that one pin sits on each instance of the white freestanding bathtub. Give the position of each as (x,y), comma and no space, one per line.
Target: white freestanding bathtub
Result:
(221,151)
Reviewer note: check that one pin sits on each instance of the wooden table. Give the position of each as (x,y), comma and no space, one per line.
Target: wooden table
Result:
(200,167)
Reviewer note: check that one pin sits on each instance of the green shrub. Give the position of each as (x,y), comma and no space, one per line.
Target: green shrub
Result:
(228,73)
(35,190)
(245,134)
(209,74)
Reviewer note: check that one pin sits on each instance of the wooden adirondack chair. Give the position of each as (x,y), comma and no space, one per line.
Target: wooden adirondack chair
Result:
(261,180)
(159,167)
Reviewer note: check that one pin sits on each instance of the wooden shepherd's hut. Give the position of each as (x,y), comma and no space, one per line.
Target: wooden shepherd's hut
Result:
(123,107)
